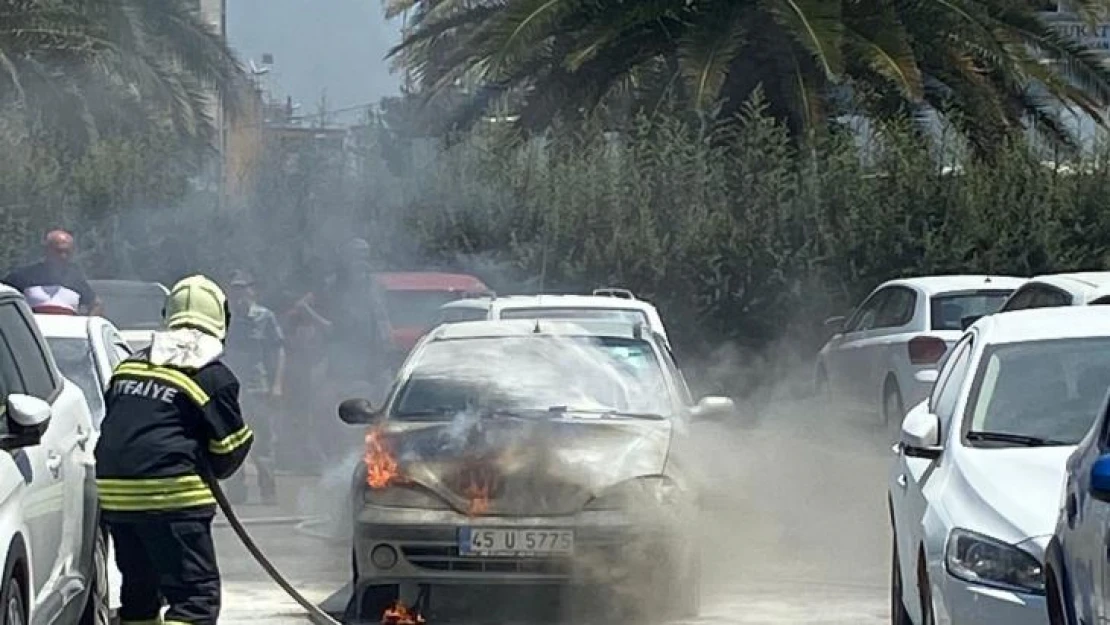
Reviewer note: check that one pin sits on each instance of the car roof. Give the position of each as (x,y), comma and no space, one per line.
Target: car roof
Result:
(1037,324)
(552,300)
(504,328)
(934,285)
(6,289)
(1076,281)
(428,281)
(66,326)
(127,286)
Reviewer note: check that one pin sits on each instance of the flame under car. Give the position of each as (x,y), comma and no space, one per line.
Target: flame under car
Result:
(525,452)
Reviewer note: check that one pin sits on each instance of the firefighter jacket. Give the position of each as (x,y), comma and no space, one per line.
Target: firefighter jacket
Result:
(172,424)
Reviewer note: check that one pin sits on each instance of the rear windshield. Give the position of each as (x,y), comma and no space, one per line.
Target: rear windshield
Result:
(137,307)
(78,364)
(630,315)
(457,315)
(416,309)
(949,310)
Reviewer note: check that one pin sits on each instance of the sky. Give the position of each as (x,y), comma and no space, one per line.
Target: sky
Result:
(337,46)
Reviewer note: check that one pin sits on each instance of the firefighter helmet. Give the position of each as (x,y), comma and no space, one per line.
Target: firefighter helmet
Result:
(197,302)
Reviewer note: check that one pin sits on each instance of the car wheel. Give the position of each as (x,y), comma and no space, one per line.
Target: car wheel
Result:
(1061,610)
(893,408)
(15,610)
(898,615)
(98,610)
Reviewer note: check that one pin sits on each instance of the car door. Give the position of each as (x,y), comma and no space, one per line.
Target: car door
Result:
(893,320)
(843,359)
(49,504)
(911,475)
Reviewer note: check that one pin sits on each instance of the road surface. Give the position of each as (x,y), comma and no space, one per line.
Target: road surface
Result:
(798,531)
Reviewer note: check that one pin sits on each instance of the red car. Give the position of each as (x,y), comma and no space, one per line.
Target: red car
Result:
(412,300)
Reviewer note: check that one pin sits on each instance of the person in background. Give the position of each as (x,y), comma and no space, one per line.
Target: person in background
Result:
(256,353)
(306,330)
(55,285)
(358,346)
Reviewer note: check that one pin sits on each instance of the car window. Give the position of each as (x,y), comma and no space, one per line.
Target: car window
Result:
(948,310)
(1049,297)
(949,393)
(534,374)
(864,317)
(1046,389)
(460,314)
(897,308)
(34,368)
(947,371)
(77,362)
(1021,299)
(10,381)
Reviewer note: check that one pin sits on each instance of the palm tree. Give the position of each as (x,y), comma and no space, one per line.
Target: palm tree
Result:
(76,67)
(988,66)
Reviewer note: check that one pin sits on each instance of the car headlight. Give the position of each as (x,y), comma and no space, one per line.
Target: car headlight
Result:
(983,560)
(403,497)
(642,492)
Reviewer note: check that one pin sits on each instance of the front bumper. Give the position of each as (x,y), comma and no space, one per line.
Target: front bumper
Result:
(607,545)
(962,603)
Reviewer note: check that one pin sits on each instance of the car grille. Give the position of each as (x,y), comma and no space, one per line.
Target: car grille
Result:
(447,558)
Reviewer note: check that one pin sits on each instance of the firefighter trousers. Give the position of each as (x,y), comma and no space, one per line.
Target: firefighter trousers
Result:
(167,561)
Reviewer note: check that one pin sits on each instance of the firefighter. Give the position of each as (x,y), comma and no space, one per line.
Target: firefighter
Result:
(173,425)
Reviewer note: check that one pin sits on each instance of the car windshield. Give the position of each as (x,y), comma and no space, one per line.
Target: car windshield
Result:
(132,307)
(416,309)
(535,375)
(629,315)
(1048,392)
(78,364)
(948,310)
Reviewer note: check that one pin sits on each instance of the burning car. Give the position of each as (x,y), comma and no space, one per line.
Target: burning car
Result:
(529,452)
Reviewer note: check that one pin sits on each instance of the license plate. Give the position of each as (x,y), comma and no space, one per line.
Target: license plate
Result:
(480,541)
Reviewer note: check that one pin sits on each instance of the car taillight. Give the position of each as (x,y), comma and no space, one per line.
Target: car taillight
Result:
(926,350)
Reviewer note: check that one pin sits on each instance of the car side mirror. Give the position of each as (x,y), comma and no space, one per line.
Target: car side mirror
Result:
(926,376)
(357,411)
(836,323)
(713,407)
(25,422)
(1100,479)
(921,435)
(967,322)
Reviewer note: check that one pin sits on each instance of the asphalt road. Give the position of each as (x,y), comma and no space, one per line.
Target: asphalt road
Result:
(797,534)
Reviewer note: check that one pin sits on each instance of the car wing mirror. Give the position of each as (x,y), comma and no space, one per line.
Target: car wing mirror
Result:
(26,420)
(357,411)
(1100,479)
(713,407)
(921,434)
(836,323)
(926,376)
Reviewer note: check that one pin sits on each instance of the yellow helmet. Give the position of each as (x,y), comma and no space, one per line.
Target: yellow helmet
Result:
(197,302)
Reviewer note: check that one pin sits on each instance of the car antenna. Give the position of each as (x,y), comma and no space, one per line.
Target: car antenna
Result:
(537,330)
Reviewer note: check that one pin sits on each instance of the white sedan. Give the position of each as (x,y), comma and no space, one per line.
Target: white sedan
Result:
(87,350)
(883,357)
(975,487)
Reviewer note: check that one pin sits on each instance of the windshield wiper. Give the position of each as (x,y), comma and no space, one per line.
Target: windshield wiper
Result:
(1014,439)
(606,412)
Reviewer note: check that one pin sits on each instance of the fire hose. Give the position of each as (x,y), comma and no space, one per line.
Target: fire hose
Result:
(315,614)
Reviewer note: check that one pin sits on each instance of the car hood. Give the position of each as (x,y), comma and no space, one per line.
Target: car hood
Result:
(1012,494)
(525,466)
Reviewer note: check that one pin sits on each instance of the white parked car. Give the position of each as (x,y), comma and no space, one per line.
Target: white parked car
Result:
(1061,289)
(884,356)
(52,551)
(133,306)
(605,303)
(976,484)
(87,350)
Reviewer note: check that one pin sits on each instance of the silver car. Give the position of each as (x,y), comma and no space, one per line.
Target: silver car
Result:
(529,452)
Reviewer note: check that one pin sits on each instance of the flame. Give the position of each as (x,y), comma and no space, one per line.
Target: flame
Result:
(477,485)
(381,466)
(400,614)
